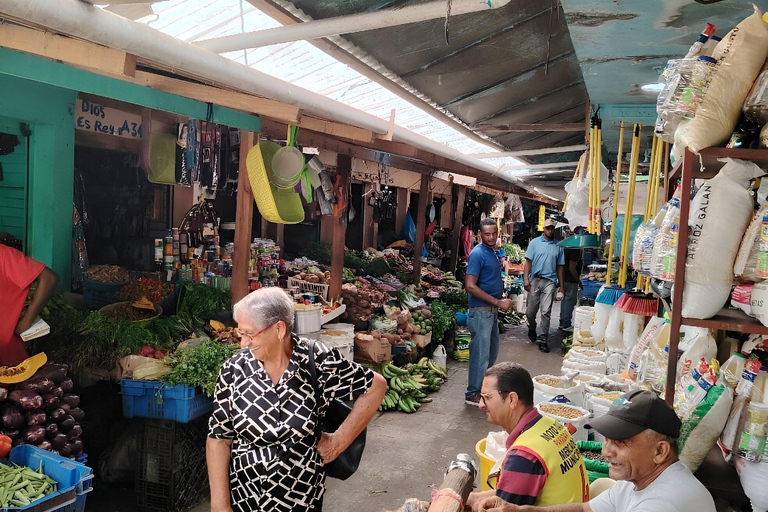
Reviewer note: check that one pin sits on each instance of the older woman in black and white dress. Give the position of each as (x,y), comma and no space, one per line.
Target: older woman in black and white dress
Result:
(262,450)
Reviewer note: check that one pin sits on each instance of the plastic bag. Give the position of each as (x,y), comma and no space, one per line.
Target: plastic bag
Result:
(613,336)
(753,247)
(756,105)
(496,445)
(440,356)
(582,318)
(546,387)
(653,331)
(409,229)
(719,215)
(700,430)
(758,302)
(697,343)
(577,211)
(753,476)
(642,250)
(602,314)
(664,251)
(741,298)
(746,391)
(740,55)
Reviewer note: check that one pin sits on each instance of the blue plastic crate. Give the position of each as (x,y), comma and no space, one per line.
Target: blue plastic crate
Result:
(152,399)
(75,480)
(590,288)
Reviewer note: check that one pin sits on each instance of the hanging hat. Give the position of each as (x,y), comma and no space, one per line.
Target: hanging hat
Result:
(162,159)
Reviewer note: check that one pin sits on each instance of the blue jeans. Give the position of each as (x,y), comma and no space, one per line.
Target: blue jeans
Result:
(568,303)
(484,348)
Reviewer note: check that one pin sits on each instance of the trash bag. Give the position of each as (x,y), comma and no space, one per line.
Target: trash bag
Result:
(409,229)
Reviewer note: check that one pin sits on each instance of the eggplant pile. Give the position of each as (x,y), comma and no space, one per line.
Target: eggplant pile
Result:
(44,412)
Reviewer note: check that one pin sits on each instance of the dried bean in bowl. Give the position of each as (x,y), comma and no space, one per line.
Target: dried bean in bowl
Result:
(563,411)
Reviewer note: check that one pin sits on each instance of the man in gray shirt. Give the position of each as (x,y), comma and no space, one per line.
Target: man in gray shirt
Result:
(641,433)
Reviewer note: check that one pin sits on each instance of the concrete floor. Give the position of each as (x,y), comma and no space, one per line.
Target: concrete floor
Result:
(406,455)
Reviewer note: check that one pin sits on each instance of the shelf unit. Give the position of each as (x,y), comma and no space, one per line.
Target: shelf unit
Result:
(726,319)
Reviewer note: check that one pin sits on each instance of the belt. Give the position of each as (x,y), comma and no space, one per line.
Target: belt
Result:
(487,308)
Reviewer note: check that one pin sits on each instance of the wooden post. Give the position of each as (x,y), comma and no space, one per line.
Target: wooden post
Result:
(421,225)
(280,239)
(343,169)
(456,233)
(264,228)
(326,229)
(243,222)
(458,482)
(403,194)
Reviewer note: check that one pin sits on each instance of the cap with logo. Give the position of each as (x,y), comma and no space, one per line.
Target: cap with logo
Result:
(634,412)
(549,222)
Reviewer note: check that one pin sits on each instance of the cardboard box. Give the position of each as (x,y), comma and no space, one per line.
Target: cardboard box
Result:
(421,340)
(375,351)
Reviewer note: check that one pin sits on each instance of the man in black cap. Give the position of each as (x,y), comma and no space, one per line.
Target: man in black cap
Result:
(641,433)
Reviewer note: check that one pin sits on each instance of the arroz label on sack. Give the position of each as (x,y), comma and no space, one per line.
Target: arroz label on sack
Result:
(697,229)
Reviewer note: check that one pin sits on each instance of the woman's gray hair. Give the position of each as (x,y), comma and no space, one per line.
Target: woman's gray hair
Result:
(265,307)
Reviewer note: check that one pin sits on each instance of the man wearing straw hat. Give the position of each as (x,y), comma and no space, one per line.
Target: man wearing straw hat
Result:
(544,266)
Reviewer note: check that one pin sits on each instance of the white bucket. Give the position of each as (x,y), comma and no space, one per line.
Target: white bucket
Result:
(350,328)
(341,340)
(307,320)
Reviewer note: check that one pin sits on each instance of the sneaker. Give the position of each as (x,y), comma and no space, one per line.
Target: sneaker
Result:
(543,347)
(532,336)
(475,400)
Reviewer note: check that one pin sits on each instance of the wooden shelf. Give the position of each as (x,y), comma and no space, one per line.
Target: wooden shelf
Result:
(712,166)
(730,320)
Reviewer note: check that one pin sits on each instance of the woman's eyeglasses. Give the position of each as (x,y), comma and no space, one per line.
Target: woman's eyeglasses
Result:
(251,335)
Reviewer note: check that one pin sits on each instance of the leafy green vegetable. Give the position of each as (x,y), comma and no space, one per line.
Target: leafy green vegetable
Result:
(406,300)
(199,366)
(457,297)
(442,318)
(200,303)
(320,252)
(513,252)
(377,268)
(105,340)
(354,262)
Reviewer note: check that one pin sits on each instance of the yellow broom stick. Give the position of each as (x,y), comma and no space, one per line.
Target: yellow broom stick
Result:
(598,181)
(591,186)
(615,206)
(635,156)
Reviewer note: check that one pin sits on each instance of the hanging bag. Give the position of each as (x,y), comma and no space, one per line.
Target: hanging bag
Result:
(347,462)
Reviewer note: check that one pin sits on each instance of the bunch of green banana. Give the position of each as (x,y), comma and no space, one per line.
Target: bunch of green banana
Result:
(408,404)
(404,384)
(389,371)
(391,399)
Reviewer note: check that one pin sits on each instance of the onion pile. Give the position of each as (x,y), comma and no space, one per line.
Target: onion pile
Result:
(44,412)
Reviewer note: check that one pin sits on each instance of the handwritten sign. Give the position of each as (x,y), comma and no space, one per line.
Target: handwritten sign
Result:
(93,117)
(371,177)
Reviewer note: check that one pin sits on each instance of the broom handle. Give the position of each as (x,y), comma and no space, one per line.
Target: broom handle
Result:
(660,146)
(630,203)
(591,166)
(641,282)
(598,181)
(575,175)
(615,206)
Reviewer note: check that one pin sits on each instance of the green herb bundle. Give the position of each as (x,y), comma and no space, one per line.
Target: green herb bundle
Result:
(199,366)
(443,318)
(200,303)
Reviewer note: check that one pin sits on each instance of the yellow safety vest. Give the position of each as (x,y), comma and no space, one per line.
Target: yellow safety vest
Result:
(550,442)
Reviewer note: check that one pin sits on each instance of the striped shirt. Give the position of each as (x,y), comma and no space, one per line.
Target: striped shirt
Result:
(524,473)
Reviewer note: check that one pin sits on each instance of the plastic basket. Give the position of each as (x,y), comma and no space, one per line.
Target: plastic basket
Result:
(316,288)
(171,473)
(590,288)
(74,479)
(277,205)
(152,399)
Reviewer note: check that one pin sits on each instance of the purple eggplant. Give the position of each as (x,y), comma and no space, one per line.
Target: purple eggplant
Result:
(45,445)
(55,372)
(57,415)
(3,394)
(51,429)
(36,418)
(39,385)
(77,413)
(67,424)
(34,434)
(65,407)
(57,392)
(76,432)
(75,447)
(50,401)
(59,441)
(13,433)
(66,385)
(13,417)
(72,400)
(26,399)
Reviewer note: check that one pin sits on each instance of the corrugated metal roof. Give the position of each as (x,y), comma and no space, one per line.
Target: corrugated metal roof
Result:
(302,64)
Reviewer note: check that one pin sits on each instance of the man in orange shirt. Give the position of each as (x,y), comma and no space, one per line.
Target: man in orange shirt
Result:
(17,273)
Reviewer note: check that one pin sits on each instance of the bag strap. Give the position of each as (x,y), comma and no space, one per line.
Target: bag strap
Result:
(313,373)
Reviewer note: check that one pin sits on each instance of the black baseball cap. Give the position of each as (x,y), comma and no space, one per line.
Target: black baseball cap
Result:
(634,412)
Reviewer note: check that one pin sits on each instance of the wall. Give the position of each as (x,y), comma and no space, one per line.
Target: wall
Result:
(48,111)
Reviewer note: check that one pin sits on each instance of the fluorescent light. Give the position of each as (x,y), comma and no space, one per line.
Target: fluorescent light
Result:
(657,87)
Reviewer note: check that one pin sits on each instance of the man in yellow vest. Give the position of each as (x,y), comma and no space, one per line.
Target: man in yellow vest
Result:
(641,433)
(543,465)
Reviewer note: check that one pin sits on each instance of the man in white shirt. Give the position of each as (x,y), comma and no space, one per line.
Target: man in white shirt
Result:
(641,433)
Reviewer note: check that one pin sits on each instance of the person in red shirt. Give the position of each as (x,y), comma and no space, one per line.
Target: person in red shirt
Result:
(17,273)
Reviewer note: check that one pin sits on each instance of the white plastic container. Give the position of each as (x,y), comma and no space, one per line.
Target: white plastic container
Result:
(307,320)
(341,340)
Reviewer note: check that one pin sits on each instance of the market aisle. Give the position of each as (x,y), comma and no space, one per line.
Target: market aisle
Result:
(406,455)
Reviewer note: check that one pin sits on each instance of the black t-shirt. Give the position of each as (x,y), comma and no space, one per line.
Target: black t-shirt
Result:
(573,255)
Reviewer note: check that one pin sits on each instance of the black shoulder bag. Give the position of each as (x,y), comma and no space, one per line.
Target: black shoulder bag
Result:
(347,462)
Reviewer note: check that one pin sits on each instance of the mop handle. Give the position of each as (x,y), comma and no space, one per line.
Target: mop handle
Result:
(615,207)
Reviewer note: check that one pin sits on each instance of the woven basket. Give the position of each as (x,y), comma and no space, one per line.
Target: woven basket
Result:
(276,205)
